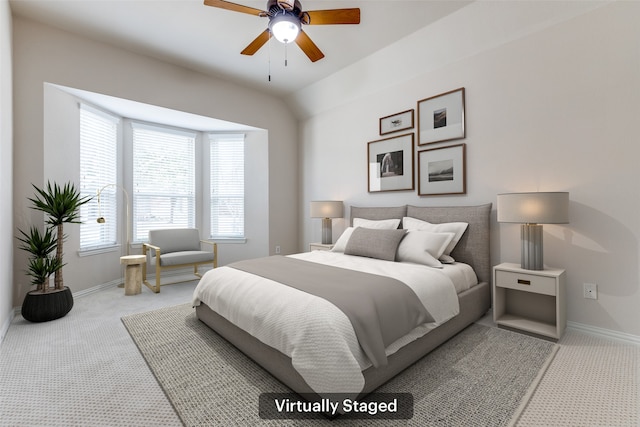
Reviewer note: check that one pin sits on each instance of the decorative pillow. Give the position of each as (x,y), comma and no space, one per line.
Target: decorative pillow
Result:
(458,228)
(341,243)
(384,224)
(372,243)
(423,247)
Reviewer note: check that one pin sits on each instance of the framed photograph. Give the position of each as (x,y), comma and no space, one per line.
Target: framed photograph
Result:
(396,122)
(390,163)
(441,117)
(442,171)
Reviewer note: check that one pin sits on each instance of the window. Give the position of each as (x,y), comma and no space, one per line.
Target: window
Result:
(227,185)
(98,167)
(163,179)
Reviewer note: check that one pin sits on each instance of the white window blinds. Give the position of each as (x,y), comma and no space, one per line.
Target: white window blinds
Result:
(98,167)
(163,180)
(227,185)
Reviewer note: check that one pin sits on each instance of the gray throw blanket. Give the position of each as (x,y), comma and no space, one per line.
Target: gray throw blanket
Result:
(381,309)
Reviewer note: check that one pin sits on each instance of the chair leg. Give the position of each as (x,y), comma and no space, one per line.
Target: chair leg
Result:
(154,288)
(157,287)
(195,271)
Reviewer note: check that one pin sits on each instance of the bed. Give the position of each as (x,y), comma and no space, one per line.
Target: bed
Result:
(471,303)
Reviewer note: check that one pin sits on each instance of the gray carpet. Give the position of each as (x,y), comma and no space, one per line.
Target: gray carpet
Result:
(478,378)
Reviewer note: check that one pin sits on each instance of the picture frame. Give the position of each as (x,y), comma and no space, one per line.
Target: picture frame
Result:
(390,164)
(397,122)
(442,171)
(441,117)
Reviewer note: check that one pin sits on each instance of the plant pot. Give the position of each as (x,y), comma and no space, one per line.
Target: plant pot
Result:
(39,307)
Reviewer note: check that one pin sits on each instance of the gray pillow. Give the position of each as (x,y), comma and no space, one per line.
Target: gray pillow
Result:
(372,243)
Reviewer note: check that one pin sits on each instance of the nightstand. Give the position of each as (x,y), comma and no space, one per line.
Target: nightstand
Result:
(320,246)
(530,300)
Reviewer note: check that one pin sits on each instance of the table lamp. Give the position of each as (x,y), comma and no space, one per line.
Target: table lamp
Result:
(327,209)
(531,210)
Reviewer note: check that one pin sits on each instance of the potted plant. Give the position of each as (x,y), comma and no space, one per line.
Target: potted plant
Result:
(61,205)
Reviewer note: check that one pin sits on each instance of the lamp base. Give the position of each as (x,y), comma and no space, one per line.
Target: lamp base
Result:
(327,239)
(531,251)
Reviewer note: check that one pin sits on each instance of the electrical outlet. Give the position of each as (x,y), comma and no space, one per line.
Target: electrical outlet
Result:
(591,290)
(278,249)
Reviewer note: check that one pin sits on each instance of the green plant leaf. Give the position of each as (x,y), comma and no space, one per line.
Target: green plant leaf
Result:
(38,244)
(60,204)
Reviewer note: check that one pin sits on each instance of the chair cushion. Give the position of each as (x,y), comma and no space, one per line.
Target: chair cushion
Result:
(185,257)
(175,240)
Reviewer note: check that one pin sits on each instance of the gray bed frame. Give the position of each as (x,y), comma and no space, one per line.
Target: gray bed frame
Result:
(472,249)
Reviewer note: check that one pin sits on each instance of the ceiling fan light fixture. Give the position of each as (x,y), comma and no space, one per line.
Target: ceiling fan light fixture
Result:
(284,27)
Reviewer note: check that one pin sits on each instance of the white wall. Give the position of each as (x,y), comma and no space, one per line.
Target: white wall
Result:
(47,55)
(549,109)
(6,170)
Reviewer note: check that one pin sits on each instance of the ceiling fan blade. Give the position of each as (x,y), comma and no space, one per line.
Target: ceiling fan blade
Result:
(255,45)
(309,47)
(333,16)
(234,7)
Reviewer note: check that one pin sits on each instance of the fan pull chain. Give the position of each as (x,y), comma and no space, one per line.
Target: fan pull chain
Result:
(269,47)
(285,54)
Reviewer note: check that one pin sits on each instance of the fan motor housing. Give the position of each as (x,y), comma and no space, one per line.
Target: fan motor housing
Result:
(293,6)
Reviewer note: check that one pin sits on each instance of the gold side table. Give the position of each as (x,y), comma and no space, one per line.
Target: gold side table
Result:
(133,273)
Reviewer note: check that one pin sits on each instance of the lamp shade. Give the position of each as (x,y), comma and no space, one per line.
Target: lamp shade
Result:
(327,209)
(534,208)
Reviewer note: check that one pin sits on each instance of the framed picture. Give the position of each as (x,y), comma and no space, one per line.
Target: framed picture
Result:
(441,117)
(442,171)
(396,122)
(390,163)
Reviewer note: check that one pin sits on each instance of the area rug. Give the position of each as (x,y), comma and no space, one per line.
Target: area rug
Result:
(481,377)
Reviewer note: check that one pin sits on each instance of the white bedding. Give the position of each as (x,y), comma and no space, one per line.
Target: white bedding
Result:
(461,274)
(316,335)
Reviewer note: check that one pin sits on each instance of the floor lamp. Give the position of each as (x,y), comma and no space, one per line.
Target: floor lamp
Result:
(102,220)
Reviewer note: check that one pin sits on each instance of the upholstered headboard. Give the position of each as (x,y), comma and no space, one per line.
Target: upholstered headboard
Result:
(473,247)
(378,213)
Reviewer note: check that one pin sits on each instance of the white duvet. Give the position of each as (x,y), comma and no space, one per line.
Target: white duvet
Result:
(314,333)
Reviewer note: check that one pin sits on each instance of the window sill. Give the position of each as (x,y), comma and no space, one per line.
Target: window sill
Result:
(97,251)
(223,241)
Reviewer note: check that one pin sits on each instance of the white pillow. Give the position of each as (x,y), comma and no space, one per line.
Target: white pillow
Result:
(458,228)
(384,224)
(423,247)
(342,241)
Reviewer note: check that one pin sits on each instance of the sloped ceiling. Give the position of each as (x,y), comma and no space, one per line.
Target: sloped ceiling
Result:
(209,40)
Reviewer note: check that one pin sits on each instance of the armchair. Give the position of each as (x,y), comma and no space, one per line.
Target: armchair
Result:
(176,248)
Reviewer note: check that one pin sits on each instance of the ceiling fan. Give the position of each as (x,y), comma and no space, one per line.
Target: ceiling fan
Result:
(285,23)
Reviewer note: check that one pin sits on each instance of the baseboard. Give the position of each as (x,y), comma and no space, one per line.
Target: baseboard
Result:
(176,276)
(97,288)
(6,324)
(605,333)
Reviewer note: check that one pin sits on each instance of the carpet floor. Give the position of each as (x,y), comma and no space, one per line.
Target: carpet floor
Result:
(480,377)
(85,370)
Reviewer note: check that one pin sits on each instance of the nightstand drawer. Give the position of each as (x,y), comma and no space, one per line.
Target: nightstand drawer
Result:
(526,282)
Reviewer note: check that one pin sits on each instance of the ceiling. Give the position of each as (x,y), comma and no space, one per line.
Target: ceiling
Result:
(209,40)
